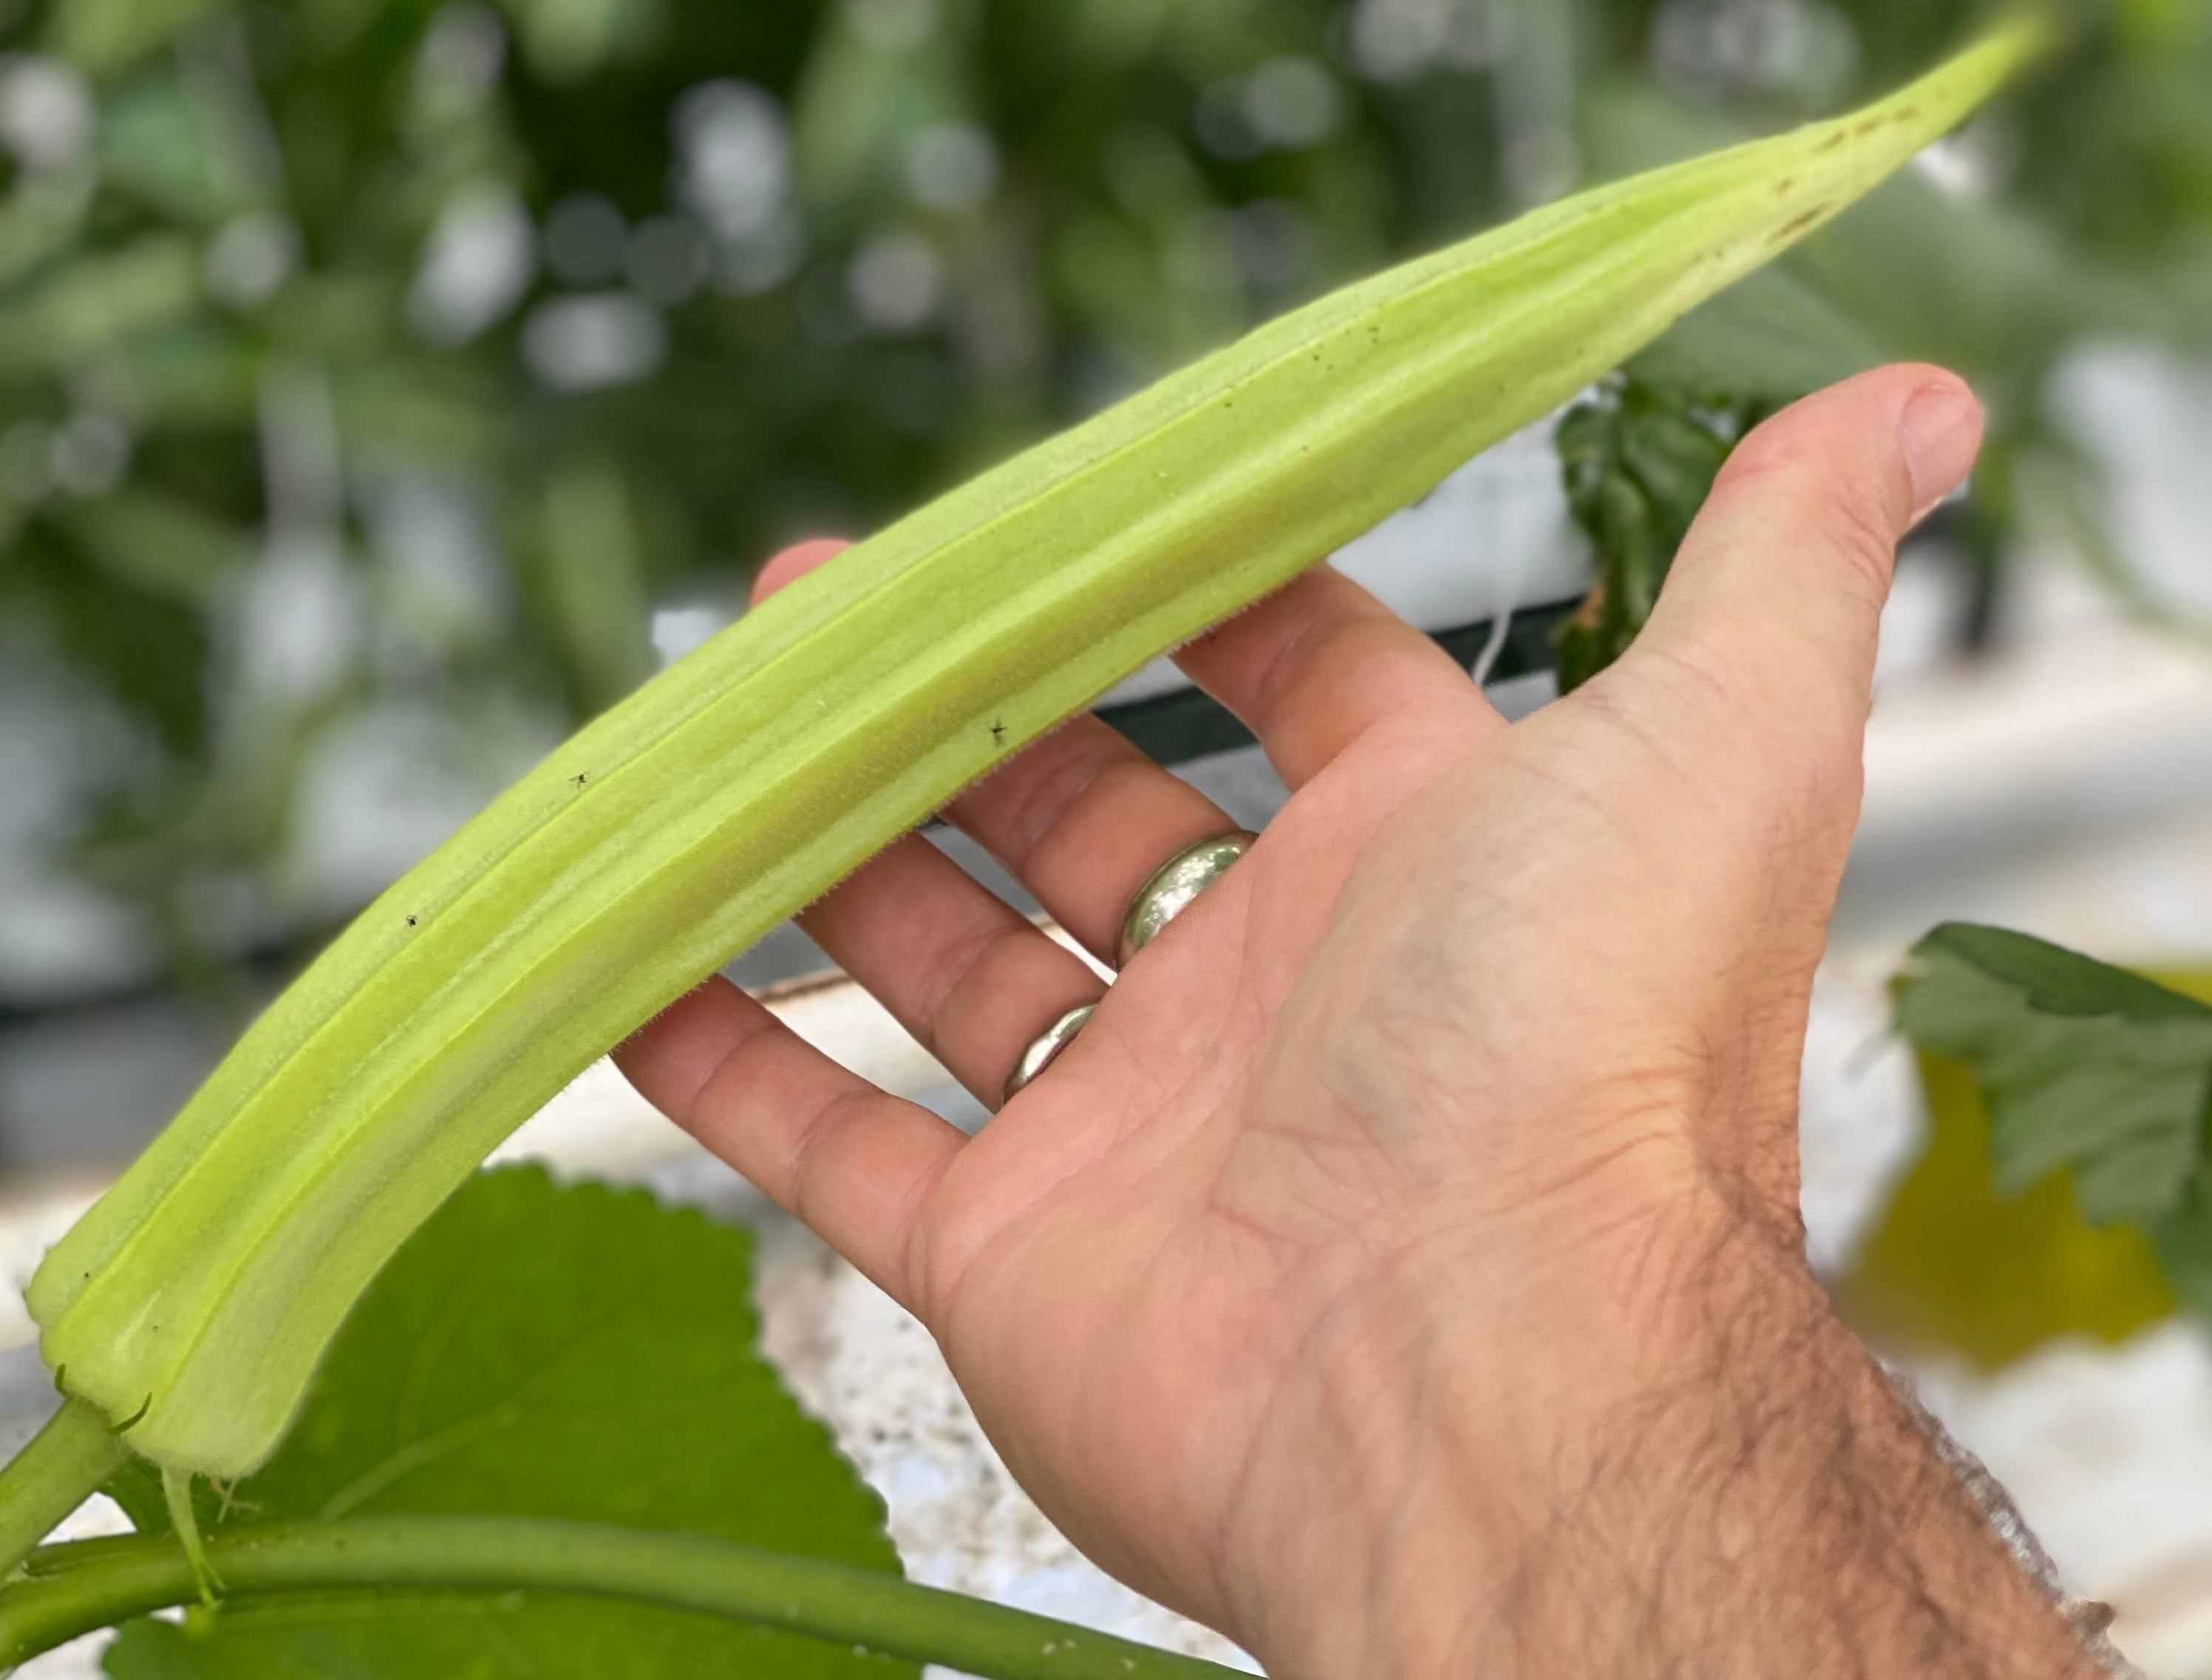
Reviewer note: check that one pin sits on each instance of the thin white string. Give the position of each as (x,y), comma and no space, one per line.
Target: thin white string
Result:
(1511,573)
(1500,627)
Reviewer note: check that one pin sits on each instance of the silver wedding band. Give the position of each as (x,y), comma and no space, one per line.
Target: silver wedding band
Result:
(1174,887)
(1170,891)
(1044,1049)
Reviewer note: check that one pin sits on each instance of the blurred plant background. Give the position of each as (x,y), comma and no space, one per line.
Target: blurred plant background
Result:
(385,384)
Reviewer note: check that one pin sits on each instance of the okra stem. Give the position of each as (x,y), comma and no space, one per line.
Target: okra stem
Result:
(77,1588)
(61,1468)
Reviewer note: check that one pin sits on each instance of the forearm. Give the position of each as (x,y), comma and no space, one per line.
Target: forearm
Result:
(1745,1496)
(1779,1510)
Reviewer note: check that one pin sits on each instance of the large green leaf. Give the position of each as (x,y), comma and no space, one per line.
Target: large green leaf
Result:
(1957,1264)
(2098,1080)
(2084,1066)
(545,1352)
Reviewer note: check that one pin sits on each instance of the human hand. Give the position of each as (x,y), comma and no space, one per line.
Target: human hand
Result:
(1402,1272)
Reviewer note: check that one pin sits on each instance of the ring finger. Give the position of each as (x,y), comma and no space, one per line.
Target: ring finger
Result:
(972,980)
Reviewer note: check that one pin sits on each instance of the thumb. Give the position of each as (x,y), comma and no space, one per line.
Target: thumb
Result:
(793,563)
(1775,601)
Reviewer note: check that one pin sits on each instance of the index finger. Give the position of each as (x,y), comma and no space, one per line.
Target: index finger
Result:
(1321,662)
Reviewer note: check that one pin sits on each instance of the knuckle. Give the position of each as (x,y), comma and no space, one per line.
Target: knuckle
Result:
(1851,508)
(960,971)
(1044,787)
(1856,527)
(811,1185)
(1670,695)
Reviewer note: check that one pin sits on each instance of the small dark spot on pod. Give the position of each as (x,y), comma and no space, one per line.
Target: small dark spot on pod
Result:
(1797,225)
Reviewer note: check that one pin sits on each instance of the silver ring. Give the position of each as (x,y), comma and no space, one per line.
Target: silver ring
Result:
(1175,887)
(1044,1049)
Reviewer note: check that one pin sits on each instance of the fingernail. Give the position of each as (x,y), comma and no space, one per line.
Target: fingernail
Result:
(1940,432)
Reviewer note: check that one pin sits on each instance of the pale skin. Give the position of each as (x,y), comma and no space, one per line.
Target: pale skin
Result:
(1402,1273)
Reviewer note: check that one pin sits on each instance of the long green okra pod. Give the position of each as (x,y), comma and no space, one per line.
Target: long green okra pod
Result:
(195,1298)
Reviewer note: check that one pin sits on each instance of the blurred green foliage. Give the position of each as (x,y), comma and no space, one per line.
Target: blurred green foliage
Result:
(1638,460)
(1956,1265)
(364,354)
(2060,1192)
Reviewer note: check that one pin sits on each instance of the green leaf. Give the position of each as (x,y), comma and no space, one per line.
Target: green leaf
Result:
(155,542)
(1957,1264)
(103,36)
(2084,1066)
(1638,458)
(149,646)
(591,584)
(91,302)
(2184,1241)
(1960,1262)
(544,1352)
(1773,337)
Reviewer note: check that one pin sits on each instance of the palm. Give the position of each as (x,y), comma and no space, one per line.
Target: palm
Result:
(1116,1262)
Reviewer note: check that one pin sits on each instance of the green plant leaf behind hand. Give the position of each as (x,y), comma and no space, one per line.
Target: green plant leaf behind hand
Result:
(1954,1263)
(2097,1083)
(2085,1065)
(536,1351)
(1638,458)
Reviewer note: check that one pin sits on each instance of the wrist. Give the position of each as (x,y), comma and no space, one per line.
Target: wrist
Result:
(1688,1466)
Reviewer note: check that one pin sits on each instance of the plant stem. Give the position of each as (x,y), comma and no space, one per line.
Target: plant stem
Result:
(60,1467)
(77,1588)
